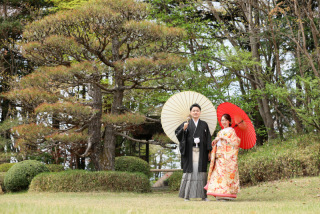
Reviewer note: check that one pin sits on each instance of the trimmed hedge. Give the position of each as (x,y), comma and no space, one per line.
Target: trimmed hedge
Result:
(86,181)
(55,167)
(175,180)
(296,157)
(6,166)
(299,156)
(20,175)
(2,174)
(132,164)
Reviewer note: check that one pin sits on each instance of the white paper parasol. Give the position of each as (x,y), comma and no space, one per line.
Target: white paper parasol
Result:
(177,108)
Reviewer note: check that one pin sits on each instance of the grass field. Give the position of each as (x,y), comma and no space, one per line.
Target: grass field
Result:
(301,195)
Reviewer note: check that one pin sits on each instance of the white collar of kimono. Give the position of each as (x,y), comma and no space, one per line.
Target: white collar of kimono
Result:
(227,129)
(196,123)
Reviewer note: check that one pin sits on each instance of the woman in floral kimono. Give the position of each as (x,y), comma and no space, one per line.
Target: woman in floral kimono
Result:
(223,176)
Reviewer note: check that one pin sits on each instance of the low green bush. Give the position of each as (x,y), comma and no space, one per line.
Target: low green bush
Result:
(299,156)
(20,175)
(174,180)
(6,166)
(55,167)
(86,181)
(132,164)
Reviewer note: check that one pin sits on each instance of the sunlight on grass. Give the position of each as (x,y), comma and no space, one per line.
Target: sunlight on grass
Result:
(289,196)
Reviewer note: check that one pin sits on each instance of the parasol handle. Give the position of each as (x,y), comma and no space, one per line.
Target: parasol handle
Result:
(185,126)
(238,124)
(188,118)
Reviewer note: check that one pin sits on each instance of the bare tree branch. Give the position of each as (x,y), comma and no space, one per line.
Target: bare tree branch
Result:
(88,148)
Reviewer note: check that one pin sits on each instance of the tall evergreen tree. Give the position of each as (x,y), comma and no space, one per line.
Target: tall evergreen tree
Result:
(104,48)
(15,14)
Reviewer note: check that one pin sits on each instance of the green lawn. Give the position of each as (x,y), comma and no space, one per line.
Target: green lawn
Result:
(300,195)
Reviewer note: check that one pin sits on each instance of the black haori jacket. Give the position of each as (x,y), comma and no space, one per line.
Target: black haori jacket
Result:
(186,139)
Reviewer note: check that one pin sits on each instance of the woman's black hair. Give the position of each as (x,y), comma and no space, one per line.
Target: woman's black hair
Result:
(195,105)
(227,117)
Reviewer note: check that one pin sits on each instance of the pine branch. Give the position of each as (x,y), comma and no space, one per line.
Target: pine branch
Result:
(108,90)
(128,53)
(153,142)
(85,154)
(82,128)
(153,120)
(142,87)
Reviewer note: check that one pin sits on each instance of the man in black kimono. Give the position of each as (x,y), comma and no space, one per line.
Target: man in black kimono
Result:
(195,146)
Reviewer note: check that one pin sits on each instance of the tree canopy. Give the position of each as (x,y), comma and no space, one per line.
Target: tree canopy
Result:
(103,49)
(98,69)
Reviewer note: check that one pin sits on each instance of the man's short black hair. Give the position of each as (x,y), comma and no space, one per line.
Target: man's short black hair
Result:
(195,105)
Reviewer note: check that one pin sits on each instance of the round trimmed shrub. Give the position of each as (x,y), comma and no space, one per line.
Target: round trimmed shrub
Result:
(55,167)
(174,180)
(87,181)
(20,175)
(132,164)
(6,166)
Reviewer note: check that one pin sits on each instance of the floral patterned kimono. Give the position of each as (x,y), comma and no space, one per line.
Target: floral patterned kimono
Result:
(223,176)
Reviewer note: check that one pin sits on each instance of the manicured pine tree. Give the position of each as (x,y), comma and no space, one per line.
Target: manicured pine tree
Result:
(103,48)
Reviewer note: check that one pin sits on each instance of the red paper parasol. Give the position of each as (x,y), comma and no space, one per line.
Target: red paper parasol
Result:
(240,122)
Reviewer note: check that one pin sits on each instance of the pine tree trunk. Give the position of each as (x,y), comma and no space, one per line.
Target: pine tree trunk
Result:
(105,152)
(109,143)
(4,109)
(94,129)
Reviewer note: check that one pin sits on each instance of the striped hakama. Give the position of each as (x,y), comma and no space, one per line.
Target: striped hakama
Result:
(192,183)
